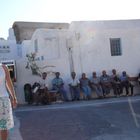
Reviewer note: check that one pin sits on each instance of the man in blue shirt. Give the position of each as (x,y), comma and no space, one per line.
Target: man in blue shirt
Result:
(58,85)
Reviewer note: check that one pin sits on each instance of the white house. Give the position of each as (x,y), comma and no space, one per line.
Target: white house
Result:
(106,45)
(8,48)
(84,46)
(52,55)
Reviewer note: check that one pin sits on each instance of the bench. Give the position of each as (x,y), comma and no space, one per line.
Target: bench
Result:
(54,95)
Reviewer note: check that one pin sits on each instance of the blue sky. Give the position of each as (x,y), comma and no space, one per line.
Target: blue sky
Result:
(65,11)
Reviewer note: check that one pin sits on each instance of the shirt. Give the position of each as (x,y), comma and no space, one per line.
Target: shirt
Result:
(105,79)
(84,82)
(124,78)
(74,82)
(115,78)
(43,84)
(57,82)
(95,80)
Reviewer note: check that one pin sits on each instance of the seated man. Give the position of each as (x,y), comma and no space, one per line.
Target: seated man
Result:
(58,85)
(42,95)
(74,87)
(125,83)
(84,84)
(138,78)
(105,83)
(116,84)
(95,84)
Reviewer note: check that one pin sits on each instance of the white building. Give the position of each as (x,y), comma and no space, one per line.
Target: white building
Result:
(85,46)
(107,45)
(8,48)
(52,53)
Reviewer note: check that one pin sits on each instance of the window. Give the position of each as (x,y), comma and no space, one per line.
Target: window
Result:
(36,45)
(115,47)
(4,49)
(42,57)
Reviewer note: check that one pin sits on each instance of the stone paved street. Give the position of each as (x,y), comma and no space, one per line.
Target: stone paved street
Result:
(107,119)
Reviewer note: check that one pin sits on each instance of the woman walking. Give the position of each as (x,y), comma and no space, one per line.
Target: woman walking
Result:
(7,94)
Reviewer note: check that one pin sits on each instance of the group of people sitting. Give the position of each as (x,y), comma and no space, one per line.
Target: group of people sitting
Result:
(101,85)
(40,92)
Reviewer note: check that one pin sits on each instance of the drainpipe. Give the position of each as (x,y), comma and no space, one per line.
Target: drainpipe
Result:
(70,53)
(77,36)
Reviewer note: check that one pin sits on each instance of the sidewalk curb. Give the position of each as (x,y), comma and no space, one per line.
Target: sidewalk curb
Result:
(14,133)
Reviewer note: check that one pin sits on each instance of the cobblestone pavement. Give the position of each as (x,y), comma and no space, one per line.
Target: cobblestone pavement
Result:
(106,119)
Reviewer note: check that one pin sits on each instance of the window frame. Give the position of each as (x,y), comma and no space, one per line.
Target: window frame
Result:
(115,46)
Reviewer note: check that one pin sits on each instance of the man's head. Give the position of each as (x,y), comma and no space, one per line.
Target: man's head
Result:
(94,74)
(83,75)
(104,72)
(57,74)
(44,75)
(114,71)
(124,73)
(73,74)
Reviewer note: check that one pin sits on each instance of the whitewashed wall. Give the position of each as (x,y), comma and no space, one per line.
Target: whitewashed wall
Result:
(92,46)
(23,75)
(52,46)
(8,53)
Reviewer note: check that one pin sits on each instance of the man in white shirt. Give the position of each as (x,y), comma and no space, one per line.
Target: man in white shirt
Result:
(42,95)
(44,82)
(74,87)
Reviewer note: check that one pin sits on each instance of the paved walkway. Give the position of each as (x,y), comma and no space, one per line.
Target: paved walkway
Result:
(15,132)
(83,105)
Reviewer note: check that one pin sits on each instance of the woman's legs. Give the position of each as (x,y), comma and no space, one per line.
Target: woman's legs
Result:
(4,134)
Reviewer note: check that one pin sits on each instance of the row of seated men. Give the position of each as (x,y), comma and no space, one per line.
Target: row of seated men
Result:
(102,86)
